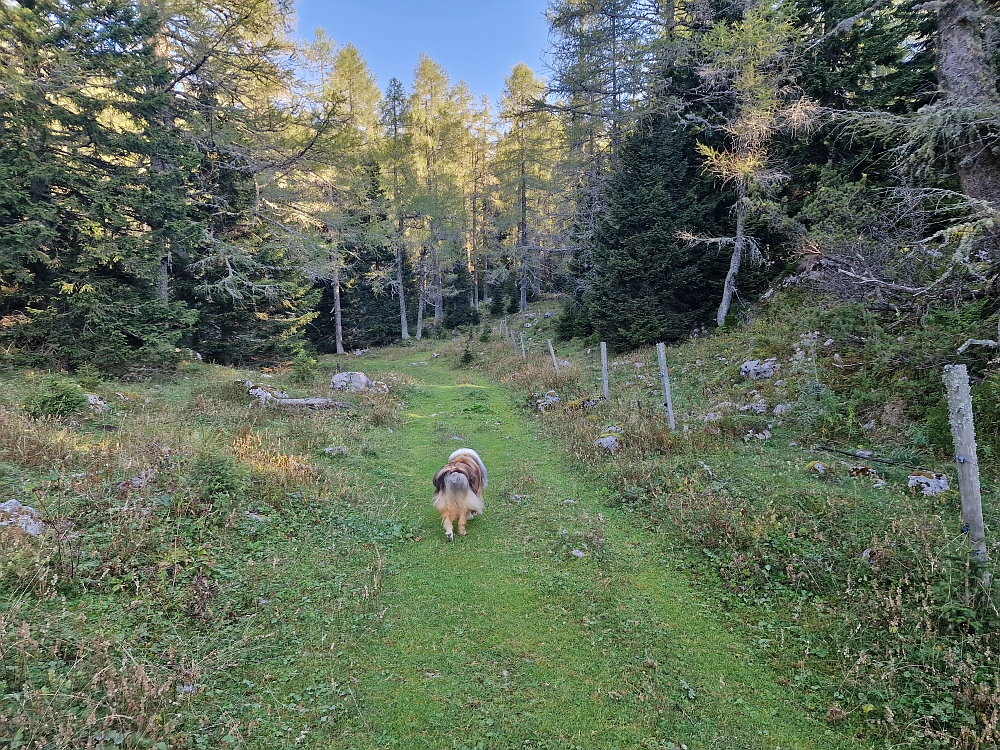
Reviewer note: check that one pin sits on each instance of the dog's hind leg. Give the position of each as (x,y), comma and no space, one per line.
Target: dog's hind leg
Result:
(448,533)
(461,523)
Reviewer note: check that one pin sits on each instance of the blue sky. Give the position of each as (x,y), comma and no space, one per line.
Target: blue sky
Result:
(478,41)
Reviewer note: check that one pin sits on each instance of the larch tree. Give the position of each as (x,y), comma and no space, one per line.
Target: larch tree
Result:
(525,155)
(747,70)
(396,158)
(438,116)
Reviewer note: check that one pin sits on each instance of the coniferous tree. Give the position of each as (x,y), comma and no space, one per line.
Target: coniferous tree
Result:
(649,284)
(81,187)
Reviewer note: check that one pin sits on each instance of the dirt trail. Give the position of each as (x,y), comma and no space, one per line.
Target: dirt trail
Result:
(556,623)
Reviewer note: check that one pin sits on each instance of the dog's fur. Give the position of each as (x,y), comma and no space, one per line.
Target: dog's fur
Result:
(459,486)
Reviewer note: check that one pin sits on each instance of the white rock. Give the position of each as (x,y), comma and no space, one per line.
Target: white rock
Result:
(350,381)
(22,517)
(756,369)
(96,403)
(929,483)
(609,443)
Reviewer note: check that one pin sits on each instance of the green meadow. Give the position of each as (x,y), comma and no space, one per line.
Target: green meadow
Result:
(260,591)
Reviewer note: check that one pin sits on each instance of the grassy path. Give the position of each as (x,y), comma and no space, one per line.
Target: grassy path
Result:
(509,638)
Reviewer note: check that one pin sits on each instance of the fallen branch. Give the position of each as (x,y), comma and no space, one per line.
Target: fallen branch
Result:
(272,396)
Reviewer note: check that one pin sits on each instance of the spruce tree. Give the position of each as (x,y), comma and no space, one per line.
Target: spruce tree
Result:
(458,309)
(648,284)
(84,205)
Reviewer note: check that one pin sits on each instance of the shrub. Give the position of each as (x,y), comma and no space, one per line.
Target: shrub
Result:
(305,369)
(55,397)
(216,478)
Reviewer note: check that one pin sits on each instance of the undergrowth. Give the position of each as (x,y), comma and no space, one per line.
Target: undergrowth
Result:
(176,537)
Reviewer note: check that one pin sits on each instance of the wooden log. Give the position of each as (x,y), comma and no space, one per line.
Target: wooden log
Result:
(604,368)
(963,433)
(661,352)
(553,353)
(310,403)
(524,352)
(273,397)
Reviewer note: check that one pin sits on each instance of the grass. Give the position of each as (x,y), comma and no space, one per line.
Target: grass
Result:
(863,597)
(258,592)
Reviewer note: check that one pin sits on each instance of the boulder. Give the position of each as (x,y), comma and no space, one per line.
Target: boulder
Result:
(350,381)
(610,443)
(96,403)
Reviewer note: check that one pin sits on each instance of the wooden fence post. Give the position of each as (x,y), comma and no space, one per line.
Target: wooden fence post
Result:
(963,433)
(604,368)
(524,353)
(661,352)
(553,353)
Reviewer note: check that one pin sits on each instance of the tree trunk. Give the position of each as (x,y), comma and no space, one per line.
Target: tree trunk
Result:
(421,291)
(438,291)
(163,279)
(967,76)
(404,332)
(338,327)
(735,261)
(524,237)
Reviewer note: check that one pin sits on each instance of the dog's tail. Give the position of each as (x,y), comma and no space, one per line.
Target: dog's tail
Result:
(456,481)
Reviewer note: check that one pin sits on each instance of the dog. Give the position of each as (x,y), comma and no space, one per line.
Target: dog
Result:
(458,490)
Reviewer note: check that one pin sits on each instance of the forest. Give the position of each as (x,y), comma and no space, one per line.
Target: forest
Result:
(187,176)
(192,196)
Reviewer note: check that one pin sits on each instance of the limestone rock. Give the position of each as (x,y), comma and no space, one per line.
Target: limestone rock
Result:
(350,381)
(22,517)
(757,369)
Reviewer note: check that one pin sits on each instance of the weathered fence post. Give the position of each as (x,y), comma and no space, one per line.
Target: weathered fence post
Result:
(963,433)
(661,352)
(604,368)
(524,353)
(553,353)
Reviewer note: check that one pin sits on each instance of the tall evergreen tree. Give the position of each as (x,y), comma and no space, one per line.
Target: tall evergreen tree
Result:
(649,284)
(81,185)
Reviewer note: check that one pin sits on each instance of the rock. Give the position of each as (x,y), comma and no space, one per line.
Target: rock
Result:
(96,403)
(551,398)
(22,517)
(928,482)
(336,450)
(612,431)
(756,369)
(350,381)
(610,443)
(781,409)
(137,483)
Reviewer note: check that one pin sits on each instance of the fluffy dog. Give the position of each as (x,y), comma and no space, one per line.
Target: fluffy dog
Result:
(458,494)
